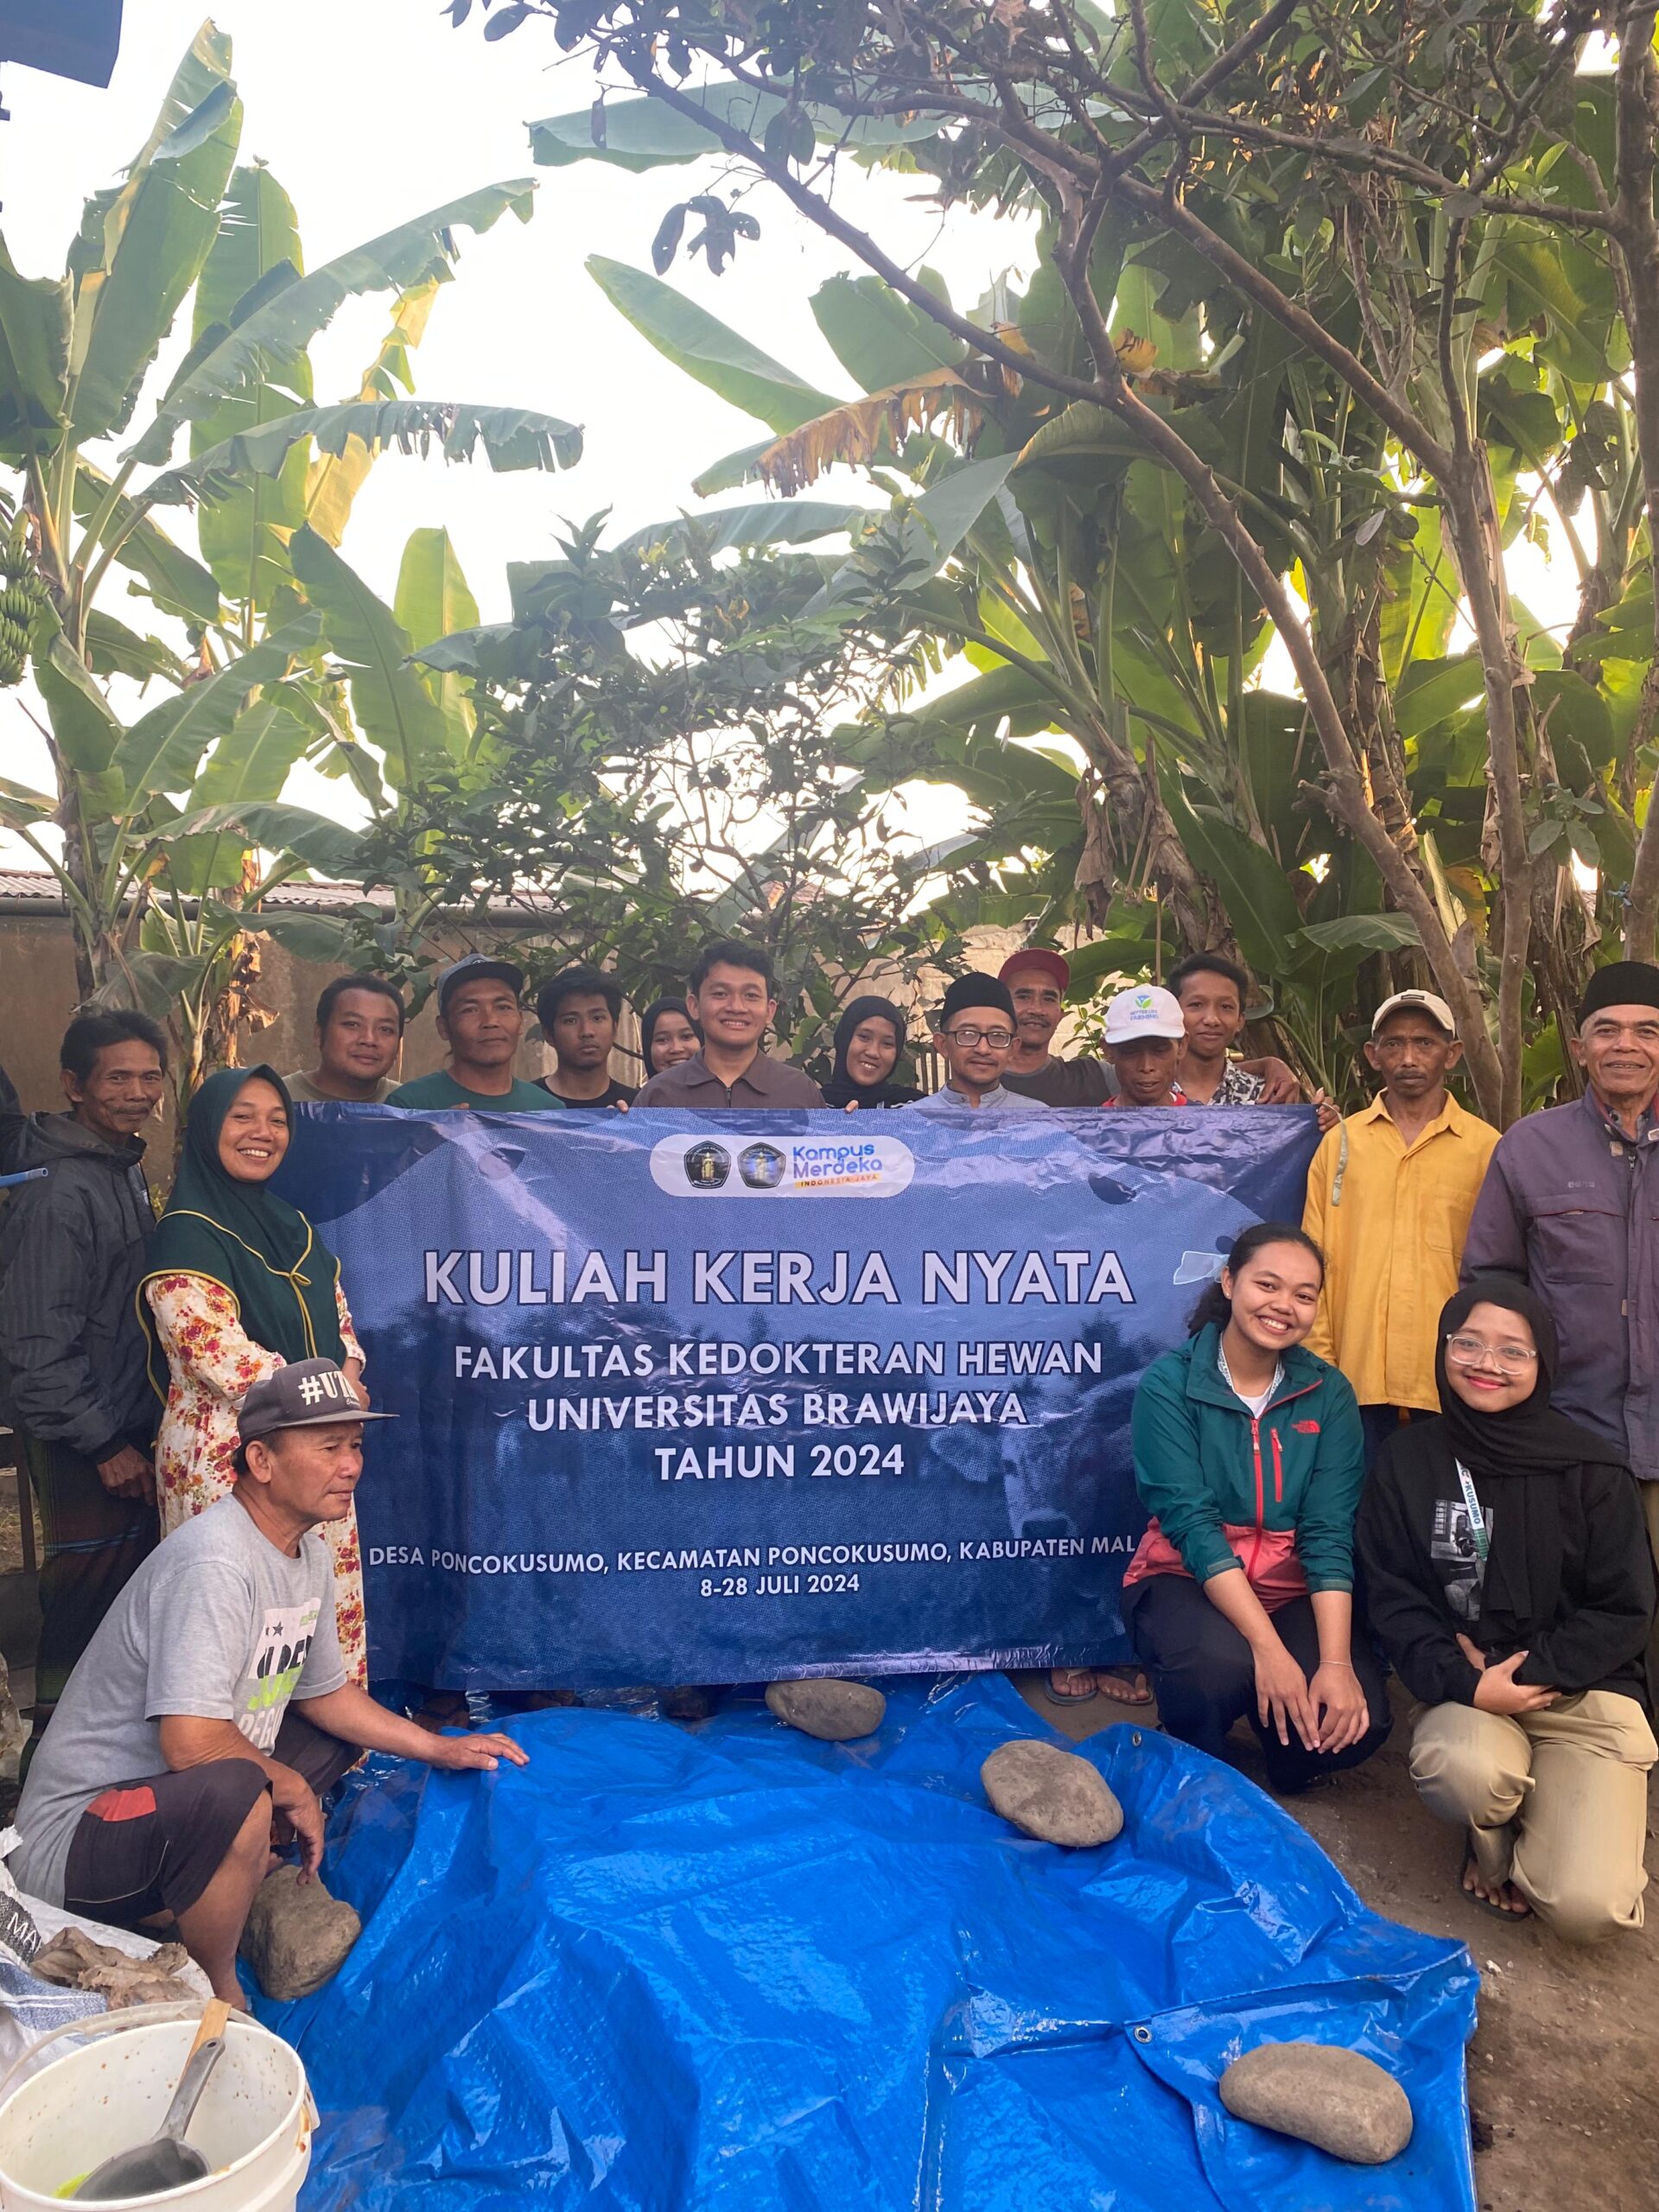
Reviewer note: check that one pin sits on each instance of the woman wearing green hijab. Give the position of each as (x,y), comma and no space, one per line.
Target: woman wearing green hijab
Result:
(239,1284)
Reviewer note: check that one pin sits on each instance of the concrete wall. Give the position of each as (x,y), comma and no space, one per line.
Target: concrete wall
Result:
(38,996)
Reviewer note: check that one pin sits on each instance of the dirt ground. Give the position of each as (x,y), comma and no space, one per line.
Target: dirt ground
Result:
(1563,2070)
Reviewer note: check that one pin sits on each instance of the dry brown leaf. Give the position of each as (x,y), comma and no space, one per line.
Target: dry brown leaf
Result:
(853,434)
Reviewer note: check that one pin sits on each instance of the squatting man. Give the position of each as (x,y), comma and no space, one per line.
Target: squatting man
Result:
(212,1708)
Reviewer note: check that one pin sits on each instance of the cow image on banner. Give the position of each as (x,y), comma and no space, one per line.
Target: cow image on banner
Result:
(729,1397)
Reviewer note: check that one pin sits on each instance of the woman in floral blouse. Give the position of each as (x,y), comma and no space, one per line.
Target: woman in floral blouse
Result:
(240,1284)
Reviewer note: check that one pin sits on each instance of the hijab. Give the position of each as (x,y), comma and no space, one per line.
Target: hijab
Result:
(840,1089)
(648,1020)
(1530,1437)
(261,1248)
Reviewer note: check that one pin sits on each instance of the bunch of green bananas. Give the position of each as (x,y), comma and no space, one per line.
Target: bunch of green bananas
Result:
(20,595)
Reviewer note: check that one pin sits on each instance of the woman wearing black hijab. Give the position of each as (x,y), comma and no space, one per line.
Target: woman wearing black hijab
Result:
(1508,1578)
(667,1035)
(869,1042)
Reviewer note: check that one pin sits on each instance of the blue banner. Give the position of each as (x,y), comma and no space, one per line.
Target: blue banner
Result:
(728,1397)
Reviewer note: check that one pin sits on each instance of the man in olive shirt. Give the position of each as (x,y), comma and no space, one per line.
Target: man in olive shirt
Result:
(359,1034)
(481,1019)
(732,998)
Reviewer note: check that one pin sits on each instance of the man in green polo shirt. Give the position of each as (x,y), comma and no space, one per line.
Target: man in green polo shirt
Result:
(481,1019)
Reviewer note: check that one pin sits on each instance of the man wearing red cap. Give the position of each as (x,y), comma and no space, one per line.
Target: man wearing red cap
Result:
(1038,981)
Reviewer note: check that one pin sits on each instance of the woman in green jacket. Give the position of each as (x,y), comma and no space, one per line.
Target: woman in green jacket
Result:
(1249,1456)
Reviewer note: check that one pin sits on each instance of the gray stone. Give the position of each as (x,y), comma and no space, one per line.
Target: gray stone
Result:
(1051,1793)
(1339,2101)
(834,1712)
(14,1729)
(297,1935)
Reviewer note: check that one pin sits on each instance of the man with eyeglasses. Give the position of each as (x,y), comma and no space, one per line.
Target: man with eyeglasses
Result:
(1568,1206)
(974,1034)
(1390,1195)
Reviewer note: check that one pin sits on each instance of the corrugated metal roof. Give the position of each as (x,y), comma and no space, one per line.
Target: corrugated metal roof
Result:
(35,891)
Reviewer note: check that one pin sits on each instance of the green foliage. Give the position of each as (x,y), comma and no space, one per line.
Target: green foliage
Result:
(656,749)
(1344,371)
(175,827)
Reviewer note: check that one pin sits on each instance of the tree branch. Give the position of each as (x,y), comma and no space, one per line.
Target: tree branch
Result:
(1029,366)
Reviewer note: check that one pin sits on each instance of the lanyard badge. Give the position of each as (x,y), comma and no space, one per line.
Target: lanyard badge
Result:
(1477,1519)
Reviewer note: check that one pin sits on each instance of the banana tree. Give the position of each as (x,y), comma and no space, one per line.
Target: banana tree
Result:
(1381,232)
(166,831)
(1060,563)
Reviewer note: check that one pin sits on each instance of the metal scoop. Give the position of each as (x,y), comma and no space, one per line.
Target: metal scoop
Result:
(167,2161)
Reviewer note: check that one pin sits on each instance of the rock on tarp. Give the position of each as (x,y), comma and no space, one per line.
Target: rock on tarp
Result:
(735,1970)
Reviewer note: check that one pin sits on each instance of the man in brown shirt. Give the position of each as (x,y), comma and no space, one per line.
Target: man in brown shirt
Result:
(732,997)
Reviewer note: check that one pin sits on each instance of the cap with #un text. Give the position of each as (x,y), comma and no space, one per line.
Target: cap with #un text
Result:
(1148,1010)
(306,1393)
(1416,1002)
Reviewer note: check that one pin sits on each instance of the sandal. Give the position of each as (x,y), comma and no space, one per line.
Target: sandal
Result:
(1130,1695)
(1487,1904)
(1068,1697)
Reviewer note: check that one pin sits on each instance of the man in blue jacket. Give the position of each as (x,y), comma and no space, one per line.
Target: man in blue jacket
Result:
(73,1377)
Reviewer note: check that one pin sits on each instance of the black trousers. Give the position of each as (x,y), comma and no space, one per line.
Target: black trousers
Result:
(95,1543)
(1204,1678)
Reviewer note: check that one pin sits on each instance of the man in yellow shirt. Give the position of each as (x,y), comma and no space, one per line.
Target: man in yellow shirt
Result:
(1390,1195)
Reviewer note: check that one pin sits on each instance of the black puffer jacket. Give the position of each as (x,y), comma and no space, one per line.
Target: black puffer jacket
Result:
(13,1121)
(72,1255)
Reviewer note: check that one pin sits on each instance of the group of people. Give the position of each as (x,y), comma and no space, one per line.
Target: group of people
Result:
(1405,1431)
(1416,1429)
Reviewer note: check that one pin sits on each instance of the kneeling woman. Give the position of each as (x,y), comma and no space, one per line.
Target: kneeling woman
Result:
(1511,1584)
(1248,1455)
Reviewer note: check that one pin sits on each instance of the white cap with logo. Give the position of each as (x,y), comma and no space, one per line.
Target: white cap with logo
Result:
(1146,1011)
(1416,1002)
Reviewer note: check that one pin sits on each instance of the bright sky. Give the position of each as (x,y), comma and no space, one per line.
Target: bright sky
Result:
(370,111)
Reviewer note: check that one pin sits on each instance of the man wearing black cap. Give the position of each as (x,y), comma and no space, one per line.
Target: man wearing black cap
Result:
(481,1019)
(214,1698)
(1567,1204)
(974,1033)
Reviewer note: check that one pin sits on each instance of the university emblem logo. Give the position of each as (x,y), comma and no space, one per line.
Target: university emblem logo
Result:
(761,1167)
(708,1166)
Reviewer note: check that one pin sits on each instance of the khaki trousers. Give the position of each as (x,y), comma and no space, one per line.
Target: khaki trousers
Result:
(1556,1801)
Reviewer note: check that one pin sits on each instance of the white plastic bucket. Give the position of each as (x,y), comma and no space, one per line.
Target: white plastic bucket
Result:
(253,2125)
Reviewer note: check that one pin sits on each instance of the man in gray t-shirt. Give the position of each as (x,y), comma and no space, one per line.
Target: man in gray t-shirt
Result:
(213,1696)
(223,1627)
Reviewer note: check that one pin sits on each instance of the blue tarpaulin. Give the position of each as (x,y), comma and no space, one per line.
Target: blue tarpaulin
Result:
(730,1969)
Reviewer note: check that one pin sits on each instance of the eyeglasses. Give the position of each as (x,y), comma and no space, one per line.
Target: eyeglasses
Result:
(1469,1352)
(998,1039)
